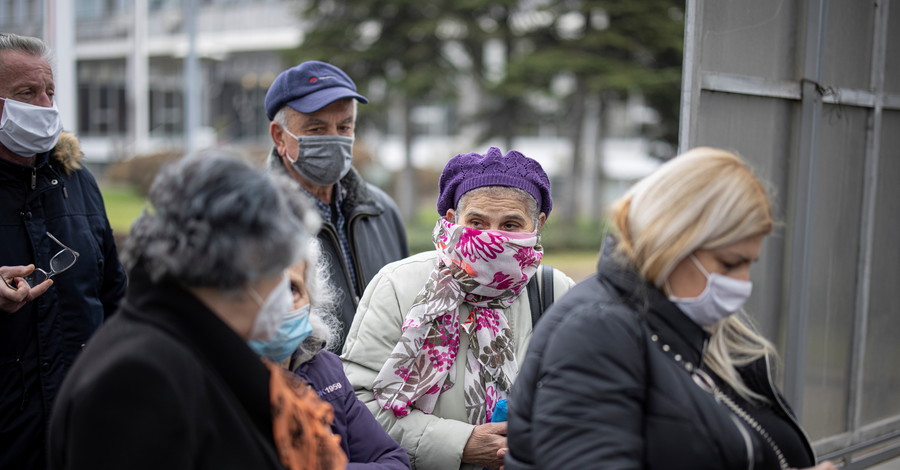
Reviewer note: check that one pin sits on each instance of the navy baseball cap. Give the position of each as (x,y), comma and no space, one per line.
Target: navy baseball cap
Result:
(309,87)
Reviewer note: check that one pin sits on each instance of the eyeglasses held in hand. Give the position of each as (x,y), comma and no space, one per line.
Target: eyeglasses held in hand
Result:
(61,261)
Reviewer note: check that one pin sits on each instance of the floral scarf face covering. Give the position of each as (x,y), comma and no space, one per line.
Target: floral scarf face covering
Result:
(486,270)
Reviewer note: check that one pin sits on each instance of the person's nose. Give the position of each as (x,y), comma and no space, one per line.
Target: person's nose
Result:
(44,100)
(743,274)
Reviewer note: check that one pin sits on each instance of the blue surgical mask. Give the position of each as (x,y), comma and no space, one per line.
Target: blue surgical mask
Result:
(323,159)
(272,311)
(293,330)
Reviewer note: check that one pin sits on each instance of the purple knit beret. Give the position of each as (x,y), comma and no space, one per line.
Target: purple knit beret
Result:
(468,171)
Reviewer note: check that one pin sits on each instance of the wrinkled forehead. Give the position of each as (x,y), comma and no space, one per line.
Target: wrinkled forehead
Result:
(19,68)
(20,62)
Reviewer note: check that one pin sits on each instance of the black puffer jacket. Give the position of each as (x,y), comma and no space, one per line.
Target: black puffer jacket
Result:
(596,391)
(376,233)
(39,342)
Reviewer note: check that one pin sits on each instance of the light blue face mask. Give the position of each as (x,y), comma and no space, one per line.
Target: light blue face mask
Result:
(293,330)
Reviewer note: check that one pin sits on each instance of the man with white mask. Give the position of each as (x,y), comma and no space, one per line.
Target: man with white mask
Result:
(61,271)
(312,107)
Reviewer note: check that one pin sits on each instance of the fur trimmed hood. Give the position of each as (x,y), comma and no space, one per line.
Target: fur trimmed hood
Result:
(67,152)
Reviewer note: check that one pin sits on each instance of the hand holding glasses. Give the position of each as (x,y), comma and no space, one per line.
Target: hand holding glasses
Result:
(28,282)
(61,261)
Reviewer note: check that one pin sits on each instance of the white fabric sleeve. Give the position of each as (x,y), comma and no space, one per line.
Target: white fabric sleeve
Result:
(430,441)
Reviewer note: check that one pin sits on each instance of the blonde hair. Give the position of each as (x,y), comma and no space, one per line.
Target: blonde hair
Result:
(705,198)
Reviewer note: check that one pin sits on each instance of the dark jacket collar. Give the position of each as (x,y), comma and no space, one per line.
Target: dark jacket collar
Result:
(40,160)
(175,310)
(662,316)
(66,156)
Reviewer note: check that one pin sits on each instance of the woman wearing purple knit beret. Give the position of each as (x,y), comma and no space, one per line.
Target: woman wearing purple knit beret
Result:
(438,336)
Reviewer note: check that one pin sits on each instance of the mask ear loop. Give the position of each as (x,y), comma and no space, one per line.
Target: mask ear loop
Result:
(699,266)
(255,296)
(3,115)
(297,139)
(696,263)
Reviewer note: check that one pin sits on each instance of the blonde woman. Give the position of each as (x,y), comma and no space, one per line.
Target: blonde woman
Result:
(649,363)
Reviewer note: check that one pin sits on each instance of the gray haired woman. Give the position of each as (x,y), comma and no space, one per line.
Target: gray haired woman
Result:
(170,381)
(366,444)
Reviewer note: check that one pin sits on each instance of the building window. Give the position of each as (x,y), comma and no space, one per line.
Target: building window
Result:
(166,109)
(102,106)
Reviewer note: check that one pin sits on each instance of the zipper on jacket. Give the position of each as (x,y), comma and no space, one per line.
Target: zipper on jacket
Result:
(748,441)
(784,410)
(706,383)
(351,239)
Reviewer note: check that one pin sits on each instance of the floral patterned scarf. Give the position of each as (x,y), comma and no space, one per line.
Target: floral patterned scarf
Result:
(487,270)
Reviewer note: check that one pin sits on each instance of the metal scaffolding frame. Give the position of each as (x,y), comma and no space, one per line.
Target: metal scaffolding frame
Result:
(861,444)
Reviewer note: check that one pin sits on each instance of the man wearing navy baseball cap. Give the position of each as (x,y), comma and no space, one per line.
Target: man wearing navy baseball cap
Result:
(312,107)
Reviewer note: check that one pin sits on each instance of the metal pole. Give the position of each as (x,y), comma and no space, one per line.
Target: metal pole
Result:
(803,206)
(138,84)
(191,80)
(867,223)
(59,30)
(690,75)
(592,159)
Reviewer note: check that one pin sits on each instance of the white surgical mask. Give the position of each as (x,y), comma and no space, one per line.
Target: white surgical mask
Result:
(323,159)
(26,129)
(721,297)
(273,311)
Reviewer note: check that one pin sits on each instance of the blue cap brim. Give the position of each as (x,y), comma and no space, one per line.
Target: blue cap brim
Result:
(315,101)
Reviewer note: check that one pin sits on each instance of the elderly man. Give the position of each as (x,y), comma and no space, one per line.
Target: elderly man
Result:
(437,337)
(55,240)
(312,107)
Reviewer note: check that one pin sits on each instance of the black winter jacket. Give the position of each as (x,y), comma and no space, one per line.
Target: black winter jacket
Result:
(40,341)
(596,391)
(375,231)
(165,384)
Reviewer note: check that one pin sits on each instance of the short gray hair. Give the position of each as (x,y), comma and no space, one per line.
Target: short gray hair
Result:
(527,200)
(216,221)
(26,44)
(281,117)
